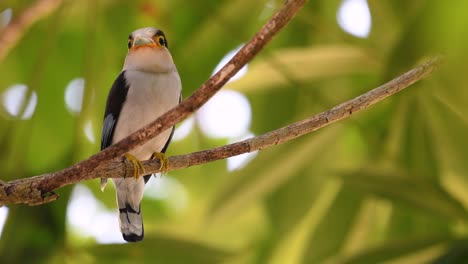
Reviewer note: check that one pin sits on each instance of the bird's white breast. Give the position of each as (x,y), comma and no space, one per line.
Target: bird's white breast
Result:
(149,96)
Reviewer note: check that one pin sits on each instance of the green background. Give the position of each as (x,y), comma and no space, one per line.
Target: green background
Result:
(386,185)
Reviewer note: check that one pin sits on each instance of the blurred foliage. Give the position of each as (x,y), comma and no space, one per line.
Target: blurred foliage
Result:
(386,185)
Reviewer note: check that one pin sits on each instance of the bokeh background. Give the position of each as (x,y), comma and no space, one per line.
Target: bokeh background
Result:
(388,185)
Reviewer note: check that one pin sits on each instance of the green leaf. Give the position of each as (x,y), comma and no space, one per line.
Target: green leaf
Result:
(457,252)
(254,182)
(303,64)
(393,250)
(448,126)
(291,246)
(160,249)
(410,189)
(331,233)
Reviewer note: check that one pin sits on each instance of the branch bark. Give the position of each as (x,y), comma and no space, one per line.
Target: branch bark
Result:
(32,190)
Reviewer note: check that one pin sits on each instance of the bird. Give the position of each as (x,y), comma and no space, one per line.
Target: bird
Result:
(147,87)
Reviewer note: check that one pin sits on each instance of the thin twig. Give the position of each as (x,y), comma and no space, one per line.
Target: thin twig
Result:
(15,30)
(31,190)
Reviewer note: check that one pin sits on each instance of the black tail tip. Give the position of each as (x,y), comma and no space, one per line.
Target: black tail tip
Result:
(132,237)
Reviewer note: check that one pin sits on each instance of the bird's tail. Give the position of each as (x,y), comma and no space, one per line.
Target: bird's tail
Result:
(129,196)
(131,223)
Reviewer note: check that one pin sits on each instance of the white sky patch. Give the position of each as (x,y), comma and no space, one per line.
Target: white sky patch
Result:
(106,228)
(240,161)
(227,115)
(3,218)
(88,130)
(6,16)
(226,59)
(89,217)
(170,190)
(74,95)
(13,99)
(354,17)
(184,129)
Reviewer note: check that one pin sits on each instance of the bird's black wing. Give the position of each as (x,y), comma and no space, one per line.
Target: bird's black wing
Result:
(115,100)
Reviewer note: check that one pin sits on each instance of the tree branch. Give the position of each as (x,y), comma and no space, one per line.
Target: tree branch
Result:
(31,190)
(124,168)
(38,189)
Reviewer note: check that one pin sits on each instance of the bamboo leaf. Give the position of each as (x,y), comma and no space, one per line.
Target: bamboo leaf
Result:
(291,246)
(409,189)
(304,64)
(257,181)
(160,249)
(330,234)
(395,249)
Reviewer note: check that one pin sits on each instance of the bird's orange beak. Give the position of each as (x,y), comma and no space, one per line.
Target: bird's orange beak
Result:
(143,41)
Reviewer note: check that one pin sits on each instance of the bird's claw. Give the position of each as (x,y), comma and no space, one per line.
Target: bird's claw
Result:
(138,168)
(163,160)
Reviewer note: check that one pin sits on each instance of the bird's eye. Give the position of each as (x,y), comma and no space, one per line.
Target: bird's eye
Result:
(161,41)
(129,43)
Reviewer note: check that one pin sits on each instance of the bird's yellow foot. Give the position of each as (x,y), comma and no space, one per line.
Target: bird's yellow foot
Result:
(163,160)
(138,168)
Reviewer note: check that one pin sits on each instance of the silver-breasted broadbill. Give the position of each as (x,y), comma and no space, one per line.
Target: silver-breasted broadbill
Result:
(148,86)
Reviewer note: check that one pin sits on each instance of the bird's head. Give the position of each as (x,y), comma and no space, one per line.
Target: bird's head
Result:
(147,51)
